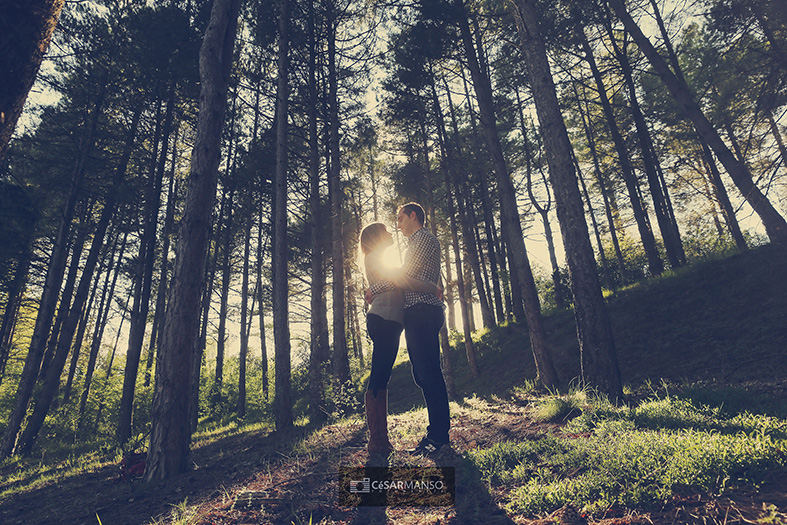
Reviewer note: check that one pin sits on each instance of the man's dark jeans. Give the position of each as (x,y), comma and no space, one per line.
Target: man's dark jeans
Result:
(422,325)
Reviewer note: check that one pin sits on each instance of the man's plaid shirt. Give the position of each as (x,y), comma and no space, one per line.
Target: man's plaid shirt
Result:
(422,262)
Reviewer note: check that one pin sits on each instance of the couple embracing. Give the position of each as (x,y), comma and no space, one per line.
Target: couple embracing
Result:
(405,299)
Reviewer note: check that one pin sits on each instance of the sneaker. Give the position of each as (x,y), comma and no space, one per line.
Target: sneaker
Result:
(428,446)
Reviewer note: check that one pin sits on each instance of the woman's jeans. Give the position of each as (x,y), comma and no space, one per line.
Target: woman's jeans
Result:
(385,337)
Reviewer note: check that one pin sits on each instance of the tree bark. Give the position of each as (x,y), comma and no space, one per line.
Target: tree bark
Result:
(25,35)
(282,404)
(171,431)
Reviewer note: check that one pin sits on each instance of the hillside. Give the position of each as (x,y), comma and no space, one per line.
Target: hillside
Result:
(703,350)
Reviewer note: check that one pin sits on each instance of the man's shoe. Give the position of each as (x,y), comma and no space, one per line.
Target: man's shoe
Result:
(428,447)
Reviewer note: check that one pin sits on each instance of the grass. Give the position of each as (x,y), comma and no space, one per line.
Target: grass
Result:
(634,457)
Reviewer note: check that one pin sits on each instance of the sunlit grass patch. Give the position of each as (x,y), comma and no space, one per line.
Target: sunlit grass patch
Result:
(558,408)
(634,457)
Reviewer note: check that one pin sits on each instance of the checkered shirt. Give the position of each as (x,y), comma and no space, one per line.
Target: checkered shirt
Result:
(422,262)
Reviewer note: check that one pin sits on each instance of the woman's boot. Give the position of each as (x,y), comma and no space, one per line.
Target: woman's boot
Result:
(377,420)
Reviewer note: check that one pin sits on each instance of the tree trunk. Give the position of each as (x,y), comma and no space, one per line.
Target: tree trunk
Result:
(244,316)
(171,431)
(775,225)
(25,38)
(545,370)
(597,348)
(340,358)
(450,179)
(320,344)
(15,293)
(282,404)
(261,314)
(604,195)
(161,293)
(139,315)
(226,276)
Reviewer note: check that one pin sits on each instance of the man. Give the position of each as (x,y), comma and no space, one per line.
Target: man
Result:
(423,319)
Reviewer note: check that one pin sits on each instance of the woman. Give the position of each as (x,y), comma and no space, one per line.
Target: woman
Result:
(384,322)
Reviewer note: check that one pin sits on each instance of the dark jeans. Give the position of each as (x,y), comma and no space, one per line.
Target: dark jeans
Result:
(385,337)
(422,325)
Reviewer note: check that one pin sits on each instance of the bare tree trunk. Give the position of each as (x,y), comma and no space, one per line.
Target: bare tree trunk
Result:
(545,370)
(245,318)
(171,430)
(560,300)
(261,314)
(282,404)
(161,294)
(320,343)
(604,195)
(139,315)
(226,275)
(597,347)
(26,33)
(76,351)
(775,225)
(596,230)
(340,358)
(669,229)
(15,293)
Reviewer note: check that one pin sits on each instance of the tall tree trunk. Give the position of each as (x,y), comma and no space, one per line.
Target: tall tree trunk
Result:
(320,344)
(15,293)
(245,318)
(775,225)
(25,38)
(543,211)
(226,276)
(139,315)
(171,431)
(596,345)
(261,312)
(450,176)
(76,352)
(341,362)
(66,295)
(161,293)
(282,404)
(596,230)
(545,370)
(602,186)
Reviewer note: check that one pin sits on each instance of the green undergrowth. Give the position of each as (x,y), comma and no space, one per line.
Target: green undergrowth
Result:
(634,457)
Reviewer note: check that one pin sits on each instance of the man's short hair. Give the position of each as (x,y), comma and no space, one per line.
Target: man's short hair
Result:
(414,207)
